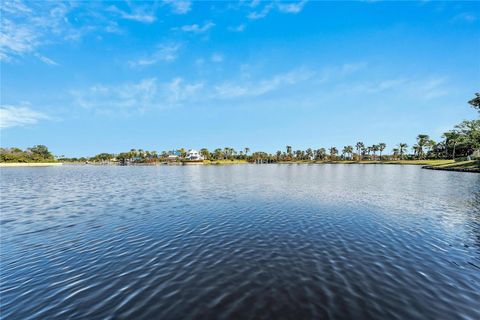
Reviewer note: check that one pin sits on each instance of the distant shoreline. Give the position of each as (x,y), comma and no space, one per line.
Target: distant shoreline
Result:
(445,165)
(29,164)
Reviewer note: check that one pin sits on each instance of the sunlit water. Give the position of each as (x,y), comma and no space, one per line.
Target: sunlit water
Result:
(239,242)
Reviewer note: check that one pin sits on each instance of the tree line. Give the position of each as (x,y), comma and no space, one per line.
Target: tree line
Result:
(460,142)
(38,153)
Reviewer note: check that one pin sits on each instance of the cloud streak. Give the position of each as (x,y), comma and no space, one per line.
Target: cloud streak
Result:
(280,6)
(196,28)
(179,6)
(15,116)
(253,89)
(137,14)
(164,52)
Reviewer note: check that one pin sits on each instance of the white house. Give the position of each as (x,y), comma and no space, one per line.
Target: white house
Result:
(193,155)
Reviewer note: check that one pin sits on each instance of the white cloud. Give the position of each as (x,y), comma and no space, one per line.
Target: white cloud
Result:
(294,7)
(126,97)
(260,14)
(195,28)
(165,52)
(231,90)
(46,60)
(179,6)
(177,90)
(138,14)
(16,39)
(418,88)
(26,28)
(239,28)
(13,116)
(216,57)
(254,3)
(283,7)
(465,17)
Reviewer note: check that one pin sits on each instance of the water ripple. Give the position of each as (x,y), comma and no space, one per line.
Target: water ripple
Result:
(253,242)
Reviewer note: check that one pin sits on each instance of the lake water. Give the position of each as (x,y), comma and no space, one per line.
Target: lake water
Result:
(239,242)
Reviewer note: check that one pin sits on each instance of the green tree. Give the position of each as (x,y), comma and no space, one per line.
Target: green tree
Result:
(309,153)
(333,153)
(402,147)
(42,152)
(289,151)
(205,153)
(475,102)
(422,141)
(381,147)
(374,149)
(360,146)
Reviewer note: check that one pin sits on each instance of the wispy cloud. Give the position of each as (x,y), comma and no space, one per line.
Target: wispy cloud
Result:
(14,116)
(239,28)
(139,14)
(127,97)
(467,17)
(16,39)
(419,88)
(231,90)
(164,52)
(216,57)
(179,6)
(27,27)
(46,59)
(195,28)
(262,13)
(293,7)
(178,90)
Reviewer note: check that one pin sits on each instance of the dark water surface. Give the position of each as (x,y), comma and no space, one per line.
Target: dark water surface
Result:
(239,242)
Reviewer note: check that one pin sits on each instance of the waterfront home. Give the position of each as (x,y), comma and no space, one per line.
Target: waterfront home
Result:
(193,155)
(172,157)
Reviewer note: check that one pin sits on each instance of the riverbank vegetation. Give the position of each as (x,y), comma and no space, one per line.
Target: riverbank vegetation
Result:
(35,154)
(460,143)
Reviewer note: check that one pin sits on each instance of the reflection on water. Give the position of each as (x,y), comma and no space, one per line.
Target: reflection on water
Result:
(252,241)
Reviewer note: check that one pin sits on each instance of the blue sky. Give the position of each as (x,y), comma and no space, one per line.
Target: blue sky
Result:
(91,77)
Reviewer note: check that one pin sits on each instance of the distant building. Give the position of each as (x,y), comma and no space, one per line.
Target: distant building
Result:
(172,157)
(193,155)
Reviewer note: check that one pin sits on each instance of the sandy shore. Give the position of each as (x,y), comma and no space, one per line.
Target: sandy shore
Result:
(31,164)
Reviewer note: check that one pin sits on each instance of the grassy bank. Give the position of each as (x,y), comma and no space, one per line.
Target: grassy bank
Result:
(402,162)
(220,162)
(462,166)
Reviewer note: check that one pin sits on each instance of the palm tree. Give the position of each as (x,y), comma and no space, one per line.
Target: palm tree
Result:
(289,151)
(205,153)
(422,141)
(247,150)
(333,152)
(279,155)
(395,153)
(309,153)
(402,147)
(360,146)
(417,150)
(320,154)
(375,148)
(218,154)
(349,150)
(381,147)
(452,138)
